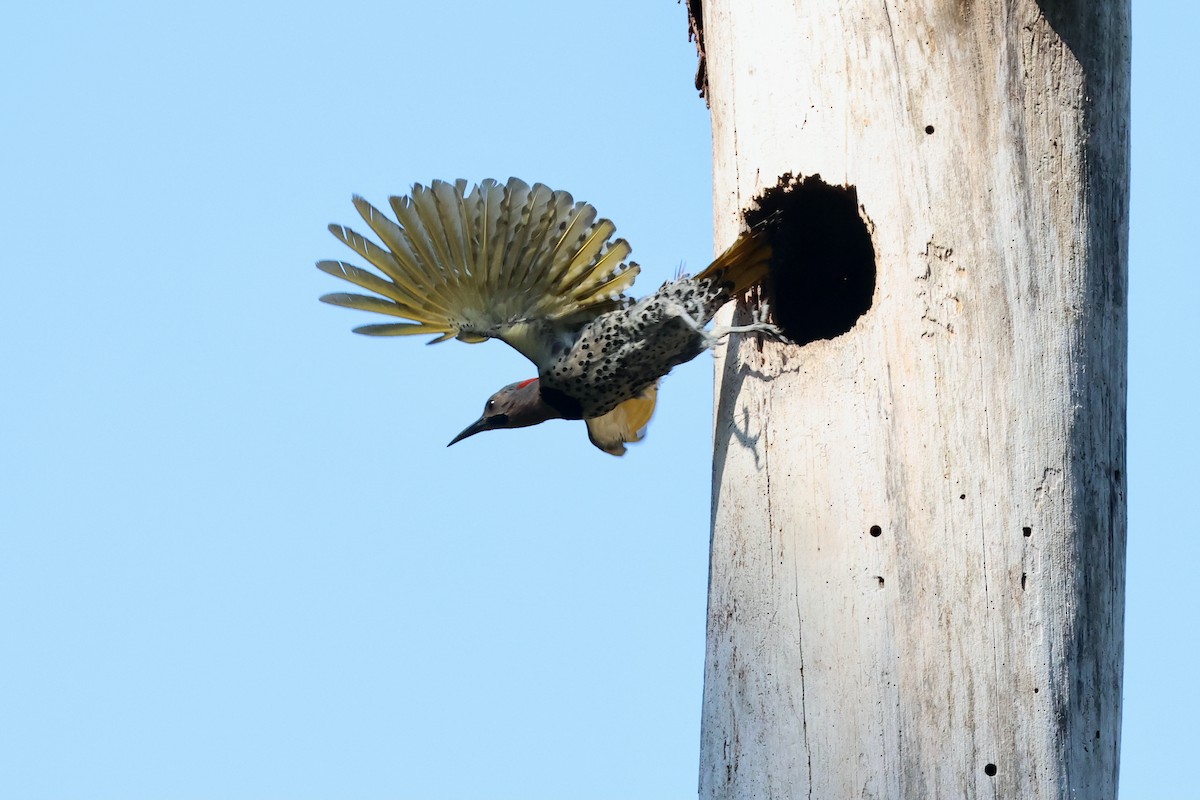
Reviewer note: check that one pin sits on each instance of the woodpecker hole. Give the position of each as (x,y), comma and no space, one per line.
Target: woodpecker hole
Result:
(876,530)
(822,276)
(962,497)
(880,579)
(1027,532)
(929,129)
(1024,577)
(989,770)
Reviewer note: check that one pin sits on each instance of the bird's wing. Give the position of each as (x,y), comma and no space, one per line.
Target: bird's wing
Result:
(624,424)
(477,265)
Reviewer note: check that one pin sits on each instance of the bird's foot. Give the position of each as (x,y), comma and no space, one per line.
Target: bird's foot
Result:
(758,324)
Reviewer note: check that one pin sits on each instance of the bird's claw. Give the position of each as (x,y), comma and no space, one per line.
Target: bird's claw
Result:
(758,324)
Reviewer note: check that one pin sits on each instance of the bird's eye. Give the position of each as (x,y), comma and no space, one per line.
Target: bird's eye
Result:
(491,405)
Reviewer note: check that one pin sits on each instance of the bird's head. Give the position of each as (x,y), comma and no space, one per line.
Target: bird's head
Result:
(517,405)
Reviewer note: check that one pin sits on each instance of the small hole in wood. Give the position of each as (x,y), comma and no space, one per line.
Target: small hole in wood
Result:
(929,129)
(1023,576)
(1027,532)
(989,770)
(962,497)
(880,579)
(1035,690)
(876,530)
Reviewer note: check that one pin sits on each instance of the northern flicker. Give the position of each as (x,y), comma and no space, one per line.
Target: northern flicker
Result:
(536,269)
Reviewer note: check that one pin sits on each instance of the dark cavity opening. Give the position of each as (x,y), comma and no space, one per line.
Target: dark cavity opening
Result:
(822,276)
(1027,532)
(989,770)
(876,530)
(929,129)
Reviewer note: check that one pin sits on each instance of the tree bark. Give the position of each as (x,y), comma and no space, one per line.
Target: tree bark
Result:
(918,548)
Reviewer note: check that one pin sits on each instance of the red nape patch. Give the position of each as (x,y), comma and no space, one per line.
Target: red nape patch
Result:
(523,384)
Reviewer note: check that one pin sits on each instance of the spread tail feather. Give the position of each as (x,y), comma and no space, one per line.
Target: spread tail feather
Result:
(744,264)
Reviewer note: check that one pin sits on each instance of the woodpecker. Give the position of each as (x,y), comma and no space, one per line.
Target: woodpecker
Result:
(541,272)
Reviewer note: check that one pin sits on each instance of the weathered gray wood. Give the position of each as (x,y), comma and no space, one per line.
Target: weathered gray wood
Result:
(976,414)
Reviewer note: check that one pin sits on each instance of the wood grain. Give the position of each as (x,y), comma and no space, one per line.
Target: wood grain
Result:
(974,418)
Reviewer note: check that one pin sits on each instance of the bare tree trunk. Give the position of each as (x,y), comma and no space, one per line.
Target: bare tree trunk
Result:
(918,554)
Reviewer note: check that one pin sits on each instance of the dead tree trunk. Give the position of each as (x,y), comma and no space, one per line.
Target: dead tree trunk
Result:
(918,552)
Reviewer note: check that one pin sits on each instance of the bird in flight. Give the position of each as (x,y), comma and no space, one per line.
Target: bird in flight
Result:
(536,269)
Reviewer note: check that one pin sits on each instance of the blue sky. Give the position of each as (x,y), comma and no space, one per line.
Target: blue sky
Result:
(237,559)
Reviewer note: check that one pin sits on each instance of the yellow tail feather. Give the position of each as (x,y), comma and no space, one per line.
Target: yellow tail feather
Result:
(744,264)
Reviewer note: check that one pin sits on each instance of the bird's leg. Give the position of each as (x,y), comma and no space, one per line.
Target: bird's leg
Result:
(677,310)
(711,338)
(758,325)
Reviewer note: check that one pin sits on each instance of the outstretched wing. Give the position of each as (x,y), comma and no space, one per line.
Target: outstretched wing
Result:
(512,262)
(624,424)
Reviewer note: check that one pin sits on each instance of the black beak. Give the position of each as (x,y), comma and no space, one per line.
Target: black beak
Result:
(478,426)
